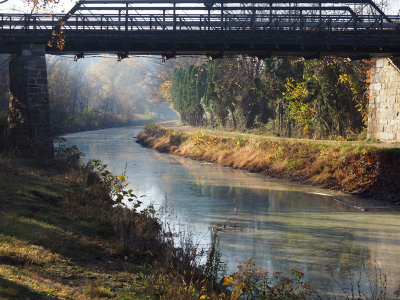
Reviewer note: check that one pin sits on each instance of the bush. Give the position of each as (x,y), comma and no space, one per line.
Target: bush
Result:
(68,156)
(154,129)
(251,283)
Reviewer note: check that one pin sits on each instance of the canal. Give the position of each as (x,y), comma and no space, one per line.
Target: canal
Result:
(281,225)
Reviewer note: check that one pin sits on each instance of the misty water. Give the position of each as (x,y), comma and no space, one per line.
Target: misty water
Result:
(281,225)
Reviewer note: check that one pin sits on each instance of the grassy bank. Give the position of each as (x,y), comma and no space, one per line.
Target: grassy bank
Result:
(61,237)
(358,169)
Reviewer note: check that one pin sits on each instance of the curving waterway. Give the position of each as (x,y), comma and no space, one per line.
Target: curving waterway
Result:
(281,225)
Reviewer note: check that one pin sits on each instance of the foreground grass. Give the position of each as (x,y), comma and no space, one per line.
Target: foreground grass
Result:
(352,168)
(58,242)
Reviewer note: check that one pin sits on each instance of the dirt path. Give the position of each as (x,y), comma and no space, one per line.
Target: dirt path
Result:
(174,125)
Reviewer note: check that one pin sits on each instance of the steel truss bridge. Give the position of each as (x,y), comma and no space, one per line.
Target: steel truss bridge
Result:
(353,28)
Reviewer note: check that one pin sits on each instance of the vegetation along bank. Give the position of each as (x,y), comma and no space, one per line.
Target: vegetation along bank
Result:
(65,234)
(322,98)
(363,170)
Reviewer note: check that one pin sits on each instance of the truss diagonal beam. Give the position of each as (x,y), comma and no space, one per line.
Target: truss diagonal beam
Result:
(210,3)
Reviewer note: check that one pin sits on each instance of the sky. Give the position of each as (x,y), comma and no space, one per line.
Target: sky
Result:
(19,6)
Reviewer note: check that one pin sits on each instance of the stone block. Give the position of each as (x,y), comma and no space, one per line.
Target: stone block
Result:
(380,136)
(384,106)
(29,108)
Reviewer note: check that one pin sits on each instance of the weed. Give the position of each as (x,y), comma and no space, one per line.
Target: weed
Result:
(372,140)
(248,282)
(376,285)
(200,139)
(292,164)
(68,156)
(152,128)
(99,292)
(240,142)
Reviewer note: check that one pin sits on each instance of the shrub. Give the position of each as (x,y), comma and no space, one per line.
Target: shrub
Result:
(68,156)
(251,283)
(153,129)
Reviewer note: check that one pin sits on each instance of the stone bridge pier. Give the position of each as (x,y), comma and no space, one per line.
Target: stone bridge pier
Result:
(29,109)
(384,102)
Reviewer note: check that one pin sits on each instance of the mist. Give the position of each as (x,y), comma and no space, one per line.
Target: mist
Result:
(99,91)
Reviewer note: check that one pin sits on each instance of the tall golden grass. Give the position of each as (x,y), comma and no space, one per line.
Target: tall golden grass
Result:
(363,170)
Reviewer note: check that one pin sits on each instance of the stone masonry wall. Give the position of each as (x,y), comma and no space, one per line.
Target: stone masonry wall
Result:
(384,103)
(29,117)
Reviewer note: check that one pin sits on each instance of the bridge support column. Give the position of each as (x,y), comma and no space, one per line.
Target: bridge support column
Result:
(384,102)
(29,108)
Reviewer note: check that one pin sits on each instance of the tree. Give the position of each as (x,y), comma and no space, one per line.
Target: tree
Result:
(160,76)
(316,98)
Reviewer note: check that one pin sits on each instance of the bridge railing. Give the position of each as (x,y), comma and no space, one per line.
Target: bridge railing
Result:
(112,23)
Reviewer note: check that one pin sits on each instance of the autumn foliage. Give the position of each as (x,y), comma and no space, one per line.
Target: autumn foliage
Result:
(324,98)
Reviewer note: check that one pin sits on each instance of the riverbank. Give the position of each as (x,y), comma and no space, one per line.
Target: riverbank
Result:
(61,237)
(361,169)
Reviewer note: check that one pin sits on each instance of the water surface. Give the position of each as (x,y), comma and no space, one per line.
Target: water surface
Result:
(283,225)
